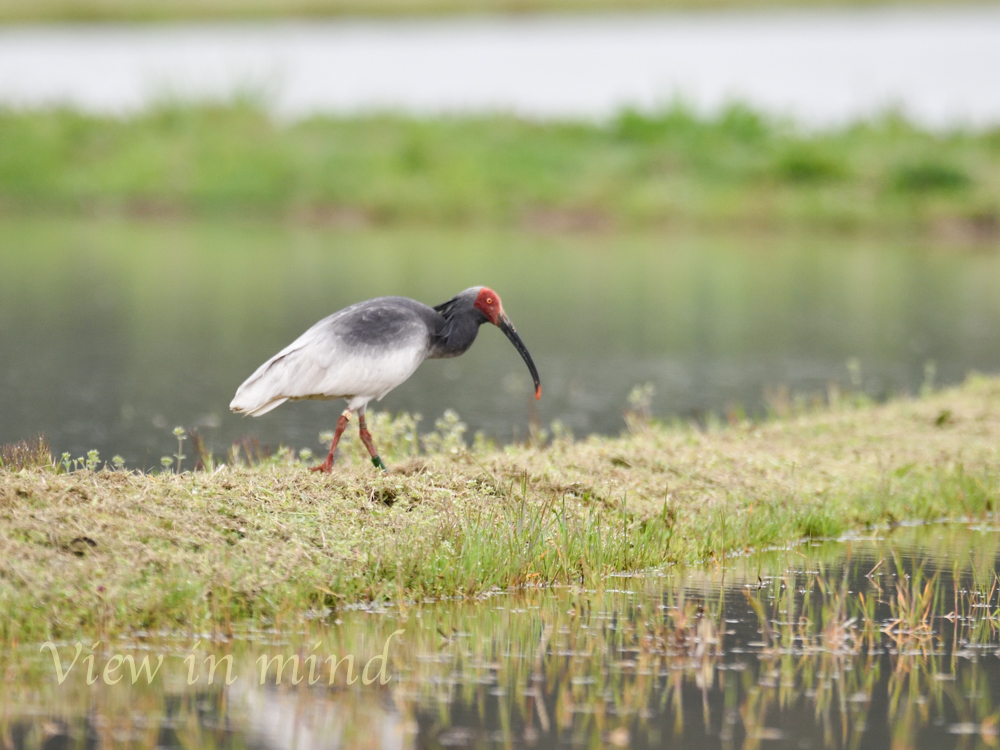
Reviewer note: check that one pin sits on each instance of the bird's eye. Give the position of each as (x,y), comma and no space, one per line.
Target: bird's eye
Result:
(489,300)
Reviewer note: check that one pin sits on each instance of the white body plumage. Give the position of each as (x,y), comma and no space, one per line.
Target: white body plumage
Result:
(359,354)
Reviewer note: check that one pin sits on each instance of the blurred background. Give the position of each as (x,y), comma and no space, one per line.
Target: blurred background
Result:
(743,206)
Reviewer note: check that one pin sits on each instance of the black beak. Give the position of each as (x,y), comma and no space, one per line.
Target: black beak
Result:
(504,324)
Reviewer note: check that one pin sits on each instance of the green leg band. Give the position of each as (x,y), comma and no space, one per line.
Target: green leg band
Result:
(377,462)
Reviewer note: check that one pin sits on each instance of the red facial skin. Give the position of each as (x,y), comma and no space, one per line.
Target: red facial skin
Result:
(488,303)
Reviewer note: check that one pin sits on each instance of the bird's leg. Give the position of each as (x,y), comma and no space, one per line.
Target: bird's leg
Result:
(366,438)
(327,466)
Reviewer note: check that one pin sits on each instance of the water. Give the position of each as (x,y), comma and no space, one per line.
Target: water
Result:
(112,333)
(807,647)
(821,67)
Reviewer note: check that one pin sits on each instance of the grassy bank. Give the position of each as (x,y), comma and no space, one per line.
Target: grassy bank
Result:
(673,169)
(106,550)
(164,10)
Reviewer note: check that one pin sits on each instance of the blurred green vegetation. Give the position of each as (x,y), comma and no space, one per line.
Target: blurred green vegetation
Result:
(156,10)
(735,169)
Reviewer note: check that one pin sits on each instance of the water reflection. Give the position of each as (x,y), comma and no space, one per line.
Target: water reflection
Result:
(112,333)
(862,643)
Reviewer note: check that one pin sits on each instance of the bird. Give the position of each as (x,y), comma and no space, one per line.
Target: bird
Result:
(362,352)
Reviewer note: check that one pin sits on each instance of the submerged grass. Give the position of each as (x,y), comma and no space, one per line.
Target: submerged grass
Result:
(780,636)
(736,169)
(108,551)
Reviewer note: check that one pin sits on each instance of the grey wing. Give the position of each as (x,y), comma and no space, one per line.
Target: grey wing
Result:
(365,350)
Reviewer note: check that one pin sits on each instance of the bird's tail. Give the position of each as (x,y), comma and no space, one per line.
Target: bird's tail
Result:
(244,406)
(257,395)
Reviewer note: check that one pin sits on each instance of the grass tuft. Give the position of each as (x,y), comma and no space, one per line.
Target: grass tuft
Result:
(34,453)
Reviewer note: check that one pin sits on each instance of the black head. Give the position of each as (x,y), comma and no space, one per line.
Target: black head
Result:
(485,304)
(463,303)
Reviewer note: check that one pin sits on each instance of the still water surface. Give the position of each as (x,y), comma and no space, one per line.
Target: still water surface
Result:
(112,333)
(820,66)
(807,647)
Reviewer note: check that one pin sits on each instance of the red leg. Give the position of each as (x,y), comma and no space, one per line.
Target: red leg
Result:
(327,466)
(366,438)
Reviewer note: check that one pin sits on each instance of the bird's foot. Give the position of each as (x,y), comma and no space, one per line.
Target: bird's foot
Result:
(326,467)
(378,463)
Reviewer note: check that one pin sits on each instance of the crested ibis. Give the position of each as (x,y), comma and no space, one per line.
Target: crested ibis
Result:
(364,351)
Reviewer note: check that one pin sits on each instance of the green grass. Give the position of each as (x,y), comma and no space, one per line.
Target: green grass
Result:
(735,170)
(160,10)
(107,551)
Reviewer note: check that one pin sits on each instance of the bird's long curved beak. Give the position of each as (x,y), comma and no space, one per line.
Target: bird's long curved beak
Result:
(504,324)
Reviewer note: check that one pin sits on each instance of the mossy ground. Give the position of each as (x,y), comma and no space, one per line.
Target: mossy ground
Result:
(108,551)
